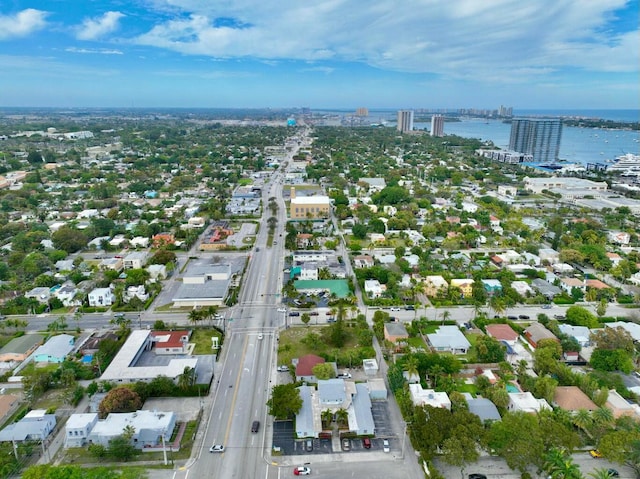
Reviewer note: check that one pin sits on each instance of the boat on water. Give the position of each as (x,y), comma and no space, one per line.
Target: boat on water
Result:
(627,164)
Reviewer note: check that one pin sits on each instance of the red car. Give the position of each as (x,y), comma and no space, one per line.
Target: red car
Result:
(302,471)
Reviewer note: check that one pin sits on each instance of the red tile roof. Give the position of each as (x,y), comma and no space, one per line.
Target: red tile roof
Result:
(502,332)
(169,339)
(306,364)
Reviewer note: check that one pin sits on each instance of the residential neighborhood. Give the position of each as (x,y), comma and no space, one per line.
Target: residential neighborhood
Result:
(383,286)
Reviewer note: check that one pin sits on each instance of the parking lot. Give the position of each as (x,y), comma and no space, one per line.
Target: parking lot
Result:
(283,436)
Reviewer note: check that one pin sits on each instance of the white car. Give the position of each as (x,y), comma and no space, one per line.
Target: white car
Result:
(283,369)
(302,471)
(260,336)
(216,448)
(282,310)
(385,445)
(395,308)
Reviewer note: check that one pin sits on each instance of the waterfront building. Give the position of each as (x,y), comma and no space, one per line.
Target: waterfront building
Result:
(539,137)
(437,125)
(405,121)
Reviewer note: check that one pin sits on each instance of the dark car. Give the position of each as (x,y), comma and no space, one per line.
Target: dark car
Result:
(255,426)
(512,318)
(613,473)
(558,316)
(313,313)
(366,443)
(523,316)
(410,307)
(477,476)
(294,313)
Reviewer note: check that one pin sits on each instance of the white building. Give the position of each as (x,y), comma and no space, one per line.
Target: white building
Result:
(428,397)
(373,288)
(123,368)
(101,297)
(149,426)
(135,260)
(77,429)
(526,402)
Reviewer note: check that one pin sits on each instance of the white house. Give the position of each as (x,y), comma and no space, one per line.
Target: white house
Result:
(149,427)
(526,402)
(309,271)
(100,297)
(77,429)
(428,397)
(373,288)
(449,339)
(135,260)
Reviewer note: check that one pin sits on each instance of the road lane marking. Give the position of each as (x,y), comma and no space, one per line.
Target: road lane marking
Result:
(235,392)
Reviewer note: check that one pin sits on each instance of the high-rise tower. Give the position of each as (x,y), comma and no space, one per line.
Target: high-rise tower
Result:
(405,121)
(437,125)
(539,137)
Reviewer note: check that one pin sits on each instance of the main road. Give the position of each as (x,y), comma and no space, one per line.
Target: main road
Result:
(243,384)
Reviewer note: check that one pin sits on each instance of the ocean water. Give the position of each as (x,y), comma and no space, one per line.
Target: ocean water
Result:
(577,145)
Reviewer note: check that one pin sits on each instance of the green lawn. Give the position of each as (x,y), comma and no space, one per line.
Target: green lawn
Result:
(291,344)
(417,342)
(202,339)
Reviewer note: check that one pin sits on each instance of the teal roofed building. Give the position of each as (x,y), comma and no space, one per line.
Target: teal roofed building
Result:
(339,287)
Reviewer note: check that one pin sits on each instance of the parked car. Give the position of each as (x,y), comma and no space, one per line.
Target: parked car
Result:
(410,307)
(118,315)
(260,336)
(216,448)
(331,319)
(294,313)
(366,443)
(558,316)
(302,471)
(512,318)
(309,445)
(255,426)
(344,375)
(283,369)
(595,453)
(477,476)
(313,313)
(282,310)
(346,445)
(395,308)
(523,316)
(385,445)
(613,473)
(546,306)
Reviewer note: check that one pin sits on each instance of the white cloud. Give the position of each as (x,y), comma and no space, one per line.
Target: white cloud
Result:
(96,27)
(488,40)
(22,23)
(101,51)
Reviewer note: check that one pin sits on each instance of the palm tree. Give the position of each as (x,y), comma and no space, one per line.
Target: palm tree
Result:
(582,419)
(195,315)
(602,417)
(327,417)
(497,304)
(600,473)
(342,417)
(446,314)
(560,465)
(411,367)
(187,378)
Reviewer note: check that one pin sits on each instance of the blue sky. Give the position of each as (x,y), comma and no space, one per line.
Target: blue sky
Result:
(322,53)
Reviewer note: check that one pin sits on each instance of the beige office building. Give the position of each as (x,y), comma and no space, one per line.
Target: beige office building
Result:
(308,207)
